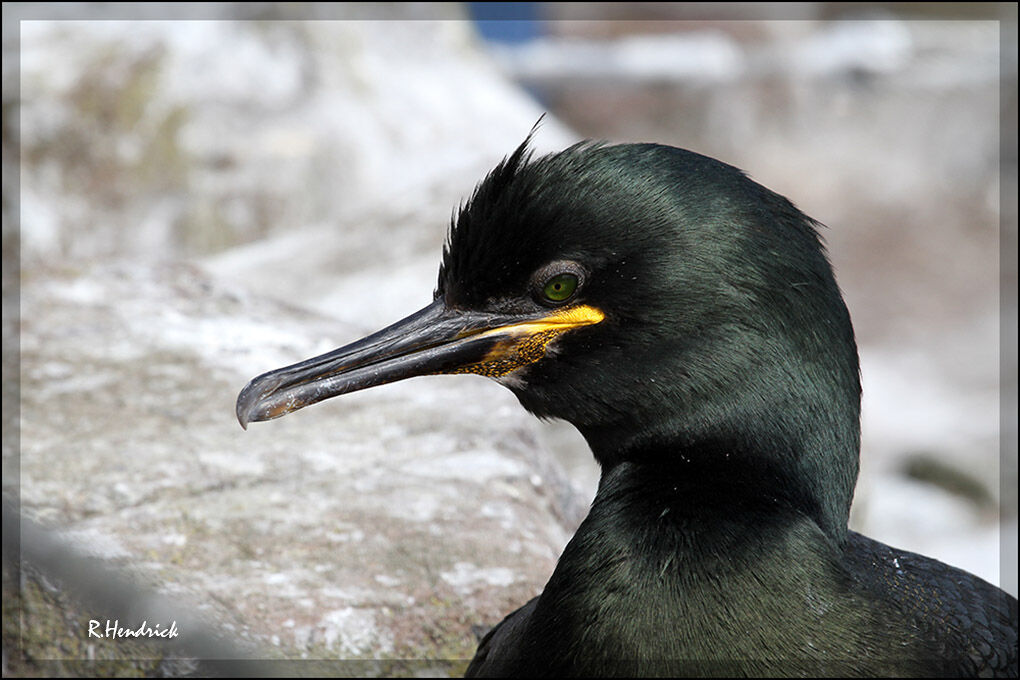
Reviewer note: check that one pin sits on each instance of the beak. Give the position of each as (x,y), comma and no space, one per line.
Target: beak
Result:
(434,340)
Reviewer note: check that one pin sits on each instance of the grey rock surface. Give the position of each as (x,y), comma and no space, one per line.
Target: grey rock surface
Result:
(343,531)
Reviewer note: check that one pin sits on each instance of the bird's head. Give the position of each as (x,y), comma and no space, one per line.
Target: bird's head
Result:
(659,300)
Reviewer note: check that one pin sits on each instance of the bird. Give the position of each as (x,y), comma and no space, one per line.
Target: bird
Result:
(687,321)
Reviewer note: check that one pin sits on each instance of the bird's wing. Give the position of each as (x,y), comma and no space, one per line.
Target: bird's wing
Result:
(969,618)
(500,644)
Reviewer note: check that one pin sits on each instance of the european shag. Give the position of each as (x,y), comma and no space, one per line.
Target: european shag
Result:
(686,320)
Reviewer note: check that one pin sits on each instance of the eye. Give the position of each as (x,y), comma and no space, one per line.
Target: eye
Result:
(558,282)
(560,287)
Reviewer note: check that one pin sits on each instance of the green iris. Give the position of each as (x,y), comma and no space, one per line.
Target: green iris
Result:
(560,287)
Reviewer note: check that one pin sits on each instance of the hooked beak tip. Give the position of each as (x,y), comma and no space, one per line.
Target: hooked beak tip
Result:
(243,407)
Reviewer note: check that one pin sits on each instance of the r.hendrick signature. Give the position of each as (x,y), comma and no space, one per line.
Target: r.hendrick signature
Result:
(114,630)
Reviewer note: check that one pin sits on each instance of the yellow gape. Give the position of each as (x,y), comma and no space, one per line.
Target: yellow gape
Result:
(527,341)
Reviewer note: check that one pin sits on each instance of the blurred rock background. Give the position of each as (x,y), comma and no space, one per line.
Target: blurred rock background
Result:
(194,196)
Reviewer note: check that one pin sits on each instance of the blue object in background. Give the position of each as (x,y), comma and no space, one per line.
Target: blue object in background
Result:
(506,22)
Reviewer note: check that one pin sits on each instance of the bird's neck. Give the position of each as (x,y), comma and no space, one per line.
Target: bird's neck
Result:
(809,471)
(696,497)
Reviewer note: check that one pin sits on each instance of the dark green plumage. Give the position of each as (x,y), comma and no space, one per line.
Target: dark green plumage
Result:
(726,333)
